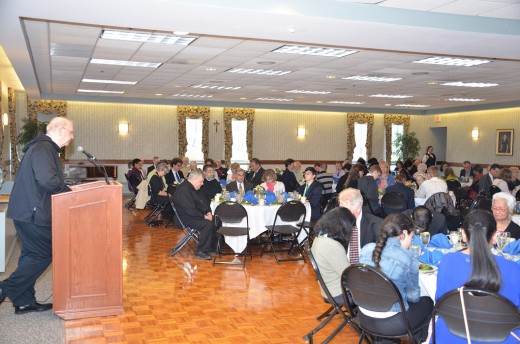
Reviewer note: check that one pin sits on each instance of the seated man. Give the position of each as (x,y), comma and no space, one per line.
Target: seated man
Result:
(367,184)
(402,189)
(240,184)
(312,189)
(427,221)
(467,171)
(256,172)
(135,177)
(433,185)
(175,176)
(211,186)
(194,212)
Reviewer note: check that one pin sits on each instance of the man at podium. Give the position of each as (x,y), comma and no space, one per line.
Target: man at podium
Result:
(40,176)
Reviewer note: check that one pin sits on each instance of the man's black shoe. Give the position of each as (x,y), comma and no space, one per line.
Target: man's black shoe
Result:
(34,307)
(202,255)
(2,296)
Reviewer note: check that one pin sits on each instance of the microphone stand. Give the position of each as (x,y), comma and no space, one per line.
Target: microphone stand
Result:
(100,168)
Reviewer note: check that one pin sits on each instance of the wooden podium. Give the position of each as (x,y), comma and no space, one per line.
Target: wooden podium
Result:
(87,251)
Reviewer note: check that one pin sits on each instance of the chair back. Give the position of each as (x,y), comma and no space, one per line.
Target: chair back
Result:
(453,185)
(393,202)
(484,204)
(292,211)
(178,222)
(491,317)
(439,200)
(366,202)
(130,186)
(230,212)
(331,204)
(371,289)
(493,189)
(323,286)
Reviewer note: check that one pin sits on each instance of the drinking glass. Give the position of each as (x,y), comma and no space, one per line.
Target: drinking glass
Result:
(239,197)
(425,238)
(502,240)
(454,237)
(416,251)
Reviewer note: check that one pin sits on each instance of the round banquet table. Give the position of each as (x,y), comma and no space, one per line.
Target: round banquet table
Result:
(259,216)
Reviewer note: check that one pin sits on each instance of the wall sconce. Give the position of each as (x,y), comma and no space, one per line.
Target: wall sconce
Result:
(474,134)
(301,132)
(123,128)
(5,119)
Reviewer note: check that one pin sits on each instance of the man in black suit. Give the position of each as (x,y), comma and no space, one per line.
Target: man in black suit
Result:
(194,212)
(152,167)
(211,186)
(367,184)
(312,189)
(256,172)
(403,190)
(240,184)
(175,176)
(367,224)
(486,180)
(288,178)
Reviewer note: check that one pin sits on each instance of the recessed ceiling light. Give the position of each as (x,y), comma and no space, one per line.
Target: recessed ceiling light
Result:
(465,100)
(331,77)
(100,91)
(258,71)
(275,99)
(345,102)
(211,69)
(308,92)
(243,98)
(432,82)
(291,29)
(158,94)
(126,63)
(146,37)
(413,105)
(99,81)
(390,96)
(360,95)
(186,95)
(316,51)
(216,87)
(449,61)
(469,84)
(371,78)
(319,101)
(388,104)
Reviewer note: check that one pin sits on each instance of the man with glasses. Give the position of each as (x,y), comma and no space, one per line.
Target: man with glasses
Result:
(40,176)
(175,176)
(240,184)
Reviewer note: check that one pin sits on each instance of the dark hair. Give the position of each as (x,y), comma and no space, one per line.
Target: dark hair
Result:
(361,161)
(353,174)
(392,226)
(422,217)
(135,161)
(311,169)
(337,224)
(347,166)
(495,167)
(318,164)
(175,161)
(288,162)
(479,227)
(401,178)
(255,160)
(205,167)
(448,172)
(399,162)
(209,161)
(429,147)
(505,174)
(478,168)
(372,161)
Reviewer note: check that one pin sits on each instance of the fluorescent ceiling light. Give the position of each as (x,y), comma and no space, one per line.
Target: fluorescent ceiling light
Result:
(464,100)
(192,95)
(345,102)
(308,92)
(316,51)
(146,37)
(99,81)
(215,87)
(413,105)
(389,96)
(258,71)
(469,84)
(448,61)
(100,91)
(371,78)
(275,99)
(126,63)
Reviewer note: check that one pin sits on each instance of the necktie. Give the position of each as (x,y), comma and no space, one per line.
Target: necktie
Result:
(176,176)
(240,187)
(306,188)
(353,255)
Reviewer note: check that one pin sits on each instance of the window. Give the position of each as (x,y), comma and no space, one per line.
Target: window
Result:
(194,138)
(396,129)
(239,149)
(360,134)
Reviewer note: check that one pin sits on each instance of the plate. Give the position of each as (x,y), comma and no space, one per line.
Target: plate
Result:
(431,268)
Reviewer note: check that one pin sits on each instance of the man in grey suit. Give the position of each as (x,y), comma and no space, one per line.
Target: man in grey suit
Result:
(240,184)
(486,180)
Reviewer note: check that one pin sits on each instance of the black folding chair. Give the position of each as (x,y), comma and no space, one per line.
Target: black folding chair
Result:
(230,213)
(371,289)
(157,209)
(453,185)
(366,203)
(293,211)
(190,233)
(493,189)
(331,204)
(490,316)
(330,313)
(131,188)
(392,202)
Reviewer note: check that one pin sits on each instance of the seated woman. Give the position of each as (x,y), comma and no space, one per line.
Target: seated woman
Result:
(502,179)
(514,182)
(231,177)
(502,206)
(312,189)
(158,188)
(330,248)
(449,174)
(477,267)
(386,179)
(270,183)
(390,254)
(443,168)
(356,172)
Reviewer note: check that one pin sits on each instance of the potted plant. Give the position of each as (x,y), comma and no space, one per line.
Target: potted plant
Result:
(406,145)
(30,129)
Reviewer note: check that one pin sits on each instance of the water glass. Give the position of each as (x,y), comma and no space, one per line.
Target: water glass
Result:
(425,238)
(454,237)
(502,240)
(416,251)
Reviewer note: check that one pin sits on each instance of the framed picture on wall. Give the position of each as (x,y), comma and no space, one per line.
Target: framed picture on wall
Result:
(504,145)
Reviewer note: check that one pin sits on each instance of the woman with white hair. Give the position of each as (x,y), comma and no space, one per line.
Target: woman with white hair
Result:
(502,208)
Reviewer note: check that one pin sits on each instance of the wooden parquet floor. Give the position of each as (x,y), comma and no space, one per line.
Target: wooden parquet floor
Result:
(183,300)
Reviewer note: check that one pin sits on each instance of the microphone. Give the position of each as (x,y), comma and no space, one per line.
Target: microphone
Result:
(82,150)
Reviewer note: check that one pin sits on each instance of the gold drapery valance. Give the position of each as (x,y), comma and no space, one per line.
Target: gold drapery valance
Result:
(352,118)
(403,120)
(193,112)
(11,101)
(47,107)
(238,114)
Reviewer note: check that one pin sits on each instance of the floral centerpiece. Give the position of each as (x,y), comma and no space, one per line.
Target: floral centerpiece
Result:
(259,191)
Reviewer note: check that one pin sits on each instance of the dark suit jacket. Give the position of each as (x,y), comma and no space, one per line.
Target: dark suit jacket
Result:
(289,180)
(485,182)
(210,188)
(170,179)
(463,173)
(232,186)
(190,204)
(368,185)
(314,196)
(256,178)
(369,230)
(150,169)
(341,183)
(405,191)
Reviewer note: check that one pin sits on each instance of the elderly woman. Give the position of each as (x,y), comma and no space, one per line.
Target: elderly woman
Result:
(270,183)
(233,175)
(419,178)
(514,183)
(502,179)
(502,207)
(158,188)
(386,179)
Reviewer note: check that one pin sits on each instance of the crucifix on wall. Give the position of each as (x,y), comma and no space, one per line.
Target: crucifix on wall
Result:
(216,123)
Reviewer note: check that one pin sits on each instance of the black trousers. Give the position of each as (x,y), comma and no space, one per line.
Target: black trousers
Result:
(208,234)
(35,258)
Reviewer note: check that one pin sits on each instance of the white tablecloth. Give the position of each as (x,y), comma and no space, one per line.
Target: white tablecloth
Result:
(428,284)
(516,219)
(419,201)
(259,216)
